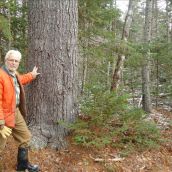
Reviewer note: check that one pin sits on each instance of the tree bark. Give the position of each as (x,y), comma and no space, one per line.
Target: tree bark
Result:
(146,101)
(53,27)
(154,34)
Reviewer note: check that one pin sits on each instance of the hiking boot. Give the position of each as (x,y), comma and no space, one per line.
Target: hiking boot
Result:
(23,162)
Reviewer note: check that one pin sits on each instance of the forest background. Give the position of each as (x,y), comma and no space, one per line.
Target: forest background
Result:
(123,75)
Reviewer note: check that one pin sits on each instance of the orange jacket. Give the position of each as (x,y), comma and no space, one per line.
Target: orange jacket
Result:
(8,97)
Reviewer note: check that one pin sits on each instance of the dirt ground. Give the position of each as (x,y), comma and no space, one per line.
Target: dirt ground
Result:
(78,159)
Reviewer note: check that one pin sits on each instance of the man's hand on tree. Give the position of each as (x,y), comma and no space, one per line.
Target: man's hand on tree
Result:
(35,72)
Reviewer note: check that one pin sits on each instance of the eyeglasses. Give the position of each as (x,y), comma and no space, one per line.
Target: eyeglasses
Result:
(13,60)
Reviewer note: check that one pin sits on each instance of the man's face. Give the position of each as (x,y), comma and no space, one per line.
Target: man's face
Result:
(12,63)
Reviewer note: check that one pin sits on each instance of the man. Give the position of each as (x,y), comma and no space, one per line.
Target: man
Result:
(13,109)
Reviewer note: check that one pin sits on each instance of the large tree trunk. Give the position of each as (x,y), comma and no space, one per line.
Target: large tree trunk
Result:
(53,27)
(146,101)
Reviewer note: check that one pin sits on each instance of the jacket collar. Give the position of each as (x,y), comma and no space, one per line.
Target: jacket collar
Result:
(7,71)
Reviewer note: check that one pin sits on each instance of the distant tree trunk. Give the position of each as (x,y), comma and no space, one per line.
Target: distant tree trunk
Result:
(157,82)
(154,28)
(85,44)
(9,26)
(154,34)
(114,21)
(5,28)
(171,30)
(116,78)
(108,73)
(24,31)
(84,71)
(146,101)
(53,27)
(168,21)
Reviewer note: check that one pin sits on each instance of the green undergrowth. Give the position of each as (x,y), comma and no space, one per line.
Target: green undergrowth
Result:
(106,120)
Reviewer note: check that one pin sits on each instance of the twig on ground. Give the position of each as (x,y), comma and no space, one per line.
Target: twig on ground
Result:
(108,159)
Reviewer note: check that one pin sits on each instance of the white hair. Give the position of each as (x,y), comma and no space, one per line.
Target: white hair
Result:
(14,53)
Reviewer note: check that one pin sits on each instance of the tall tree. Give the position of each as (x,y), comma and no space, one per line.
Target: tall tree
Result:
(53,48)
(154,34)
(168,20)
(146,98)
(125,34)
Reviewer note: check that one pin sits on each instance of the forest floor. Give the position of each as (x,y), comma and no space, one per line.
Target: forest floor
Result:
(79,159)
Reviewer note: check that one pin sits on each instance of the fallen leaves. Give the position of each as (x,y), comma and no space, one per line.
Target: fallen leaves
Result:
(79,159)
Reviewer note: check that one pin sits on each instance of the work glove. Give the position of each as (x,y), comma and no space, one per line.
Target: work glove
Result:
(5,132)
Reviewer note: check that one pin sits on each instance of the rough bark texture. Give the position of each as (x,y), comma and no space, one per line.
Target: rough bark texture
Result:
(146,101)
(53,48)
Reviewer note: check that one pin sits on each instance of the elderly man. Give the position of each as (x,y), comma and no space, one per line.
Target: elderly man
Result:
(13,109)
